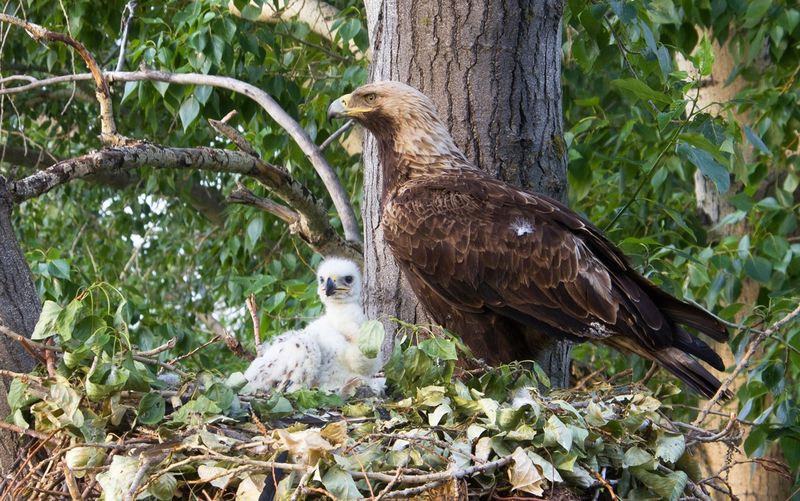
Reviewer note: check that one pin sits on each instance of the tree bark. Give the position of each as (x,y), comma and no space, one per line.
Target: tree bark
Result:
(746,481)
(493,69)
(19,311)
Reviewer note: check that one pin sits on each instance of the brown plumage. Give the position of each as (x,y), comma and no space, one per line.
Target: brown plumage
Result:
(500,266)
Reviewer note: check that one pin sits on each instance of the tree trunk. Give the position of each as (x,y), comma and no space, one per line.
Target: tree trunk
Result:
(493,69)
(19,311)
(747,482)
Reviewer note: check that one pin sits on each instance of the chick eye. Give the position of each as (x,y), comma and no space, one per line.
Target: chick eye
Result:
(321,279)
(348,279)
(370,98)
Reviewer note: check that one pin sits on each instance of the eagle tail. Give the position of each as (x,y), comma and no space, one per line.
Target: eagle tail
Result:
(690,315)
(695,346)
(689,370)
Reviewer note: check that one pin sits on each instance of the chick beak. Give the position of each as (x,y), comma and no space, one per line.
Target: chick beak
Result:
(330,287)
(338,107)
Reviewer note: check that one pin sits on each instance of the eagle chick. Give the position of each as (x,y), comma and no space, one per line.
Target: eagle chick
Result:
(325,354)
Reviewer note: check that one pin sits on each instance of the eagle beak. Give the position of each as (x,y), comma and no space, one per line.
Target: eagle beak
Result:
(330,287)
(338,107)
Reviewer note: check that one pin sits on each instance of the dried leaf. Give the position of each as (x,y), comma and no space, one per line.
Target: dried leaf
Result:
(524,475)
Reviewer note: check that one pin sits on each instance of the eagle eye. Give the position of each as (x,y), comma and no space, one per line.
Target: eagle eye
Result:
(370,98)
(348,279)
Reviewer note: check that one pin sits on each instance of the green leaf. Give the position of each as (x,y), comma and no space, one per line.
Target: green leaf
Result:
(636,456)
(755,11)
(151,409)
(340,483)
(370,338)
(66,319)
(163,487)
(641,90)
(669,447)
(758,268)
(443,349)
(254,230)
(45,326)
(707,165)
(556,432)
(668,487)
(188,112)
(756,141)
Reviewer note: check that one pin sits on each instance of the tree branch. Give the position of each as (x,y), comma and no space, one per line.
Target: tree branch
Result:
(743,361)
(108,126)
(329,177)
(241,195)
(312,226)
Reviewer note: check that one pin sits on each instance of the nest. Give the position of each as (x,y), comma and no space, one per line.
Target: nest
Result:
(107,426)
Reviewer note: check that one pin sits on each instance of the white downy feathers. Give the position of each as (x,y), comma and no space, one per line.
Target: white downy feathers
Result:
(325,354)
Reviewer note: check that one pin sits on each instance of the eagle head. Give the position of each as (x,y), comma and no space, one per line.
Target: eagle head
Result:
(338,281)
(399,116)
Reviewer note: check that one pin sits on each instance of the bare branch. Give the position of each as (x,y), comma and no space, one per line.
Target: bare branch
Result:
(743,361)
(108,126)
(253,309)
(329,177)
(218,329)
(226,130)
(130,9)
(246,197)
(341,130)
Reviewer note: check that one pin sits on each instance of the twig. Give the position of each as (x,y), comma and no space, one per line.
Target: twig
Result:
(137,480)
(393,482)
(130,9)
(226,130)
(600,478)
(187,355)
(241,195)
(25,378)
(233,344)
(163,365)
(300,485)
(252,307)
(30,346)
(723,388)
(158,349)
(108,126)
(72,485)
(338,132)
(24,431)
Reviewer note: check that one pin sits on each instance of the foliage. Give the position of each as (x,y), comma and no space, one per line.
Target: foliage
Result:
(635,140)
(637,135)
(109,417)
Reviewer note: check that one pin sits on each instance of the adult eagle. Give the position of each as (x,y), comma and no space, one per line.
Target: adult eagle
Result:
(501,266)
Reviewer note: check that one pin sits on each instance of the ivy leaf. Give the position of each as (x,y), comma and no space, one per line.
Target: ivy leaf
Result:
(151,409)
(670,447)
(667,487)
(707,165)
(340,483)
(524,475)
(370,338)
(440,348)
(556,432)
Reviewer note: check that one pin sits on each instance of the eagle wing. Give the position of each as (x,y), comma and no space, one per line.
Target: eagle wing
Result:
(480,245)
